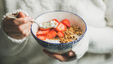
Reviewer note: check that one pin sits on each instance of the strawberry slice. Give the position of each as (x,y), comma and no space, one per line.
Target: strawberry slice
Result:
(40,32)
(51,34)
(66,22)
(61,27)
(60,34)
(55,20)
(44,29)
(41,37)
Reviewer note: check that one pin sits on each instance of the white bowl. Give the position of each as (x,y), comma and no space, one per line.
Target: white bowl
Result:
(59,15)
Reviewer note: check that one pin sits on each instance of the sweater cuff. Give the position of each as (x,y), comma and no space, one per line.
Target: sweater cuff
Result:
(10,38)
(81,48)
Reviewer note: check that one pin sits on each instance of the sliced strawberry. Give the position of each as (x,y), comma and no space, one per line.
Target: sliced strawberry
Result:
(60,34)
(44,29)
(41,37)
(51,34)
(40,32)
(66,22)
(55,20)
(61,27)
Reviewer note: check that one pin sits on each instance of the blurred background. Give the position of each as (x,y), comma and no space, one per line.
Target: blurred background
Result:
(2,8)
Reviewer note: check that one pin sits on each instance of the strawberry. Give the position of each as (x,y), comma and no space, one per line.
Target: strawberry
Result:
(61,27)
(51,34)
(55,20)
(60,34)
(41,37)
(66,22)
(44,29)
(21,15)
(40,32)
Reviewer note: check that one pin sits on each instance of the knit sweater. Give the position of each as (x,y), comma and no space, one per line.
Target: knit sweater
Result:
(98,38)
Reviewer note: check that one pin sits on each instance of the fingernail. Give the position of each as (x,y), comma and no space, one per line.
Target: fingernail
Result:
(71,53)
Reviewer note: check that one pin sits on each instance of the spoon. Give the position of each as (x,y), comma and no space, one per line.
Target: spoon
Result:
(44,25)
(14,17)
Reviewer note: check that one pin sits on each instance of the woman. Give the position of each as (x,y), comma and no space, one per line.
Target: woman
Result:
(17,46)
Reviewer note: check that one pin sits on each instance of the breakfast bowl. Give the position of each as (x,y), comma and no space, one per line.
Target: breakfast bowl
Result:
(57,47)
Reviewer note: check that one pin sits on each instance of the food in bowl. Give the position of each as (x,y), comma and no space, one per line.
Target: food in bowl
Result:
(59,32)
(54,45)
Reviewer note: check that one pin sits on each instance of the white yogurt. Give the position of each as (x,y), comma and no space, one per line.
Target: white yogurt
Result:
(52,41)
(51,24)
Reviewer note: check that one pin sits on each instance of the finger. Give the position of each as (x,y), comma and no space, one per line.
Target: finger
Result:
(56,56)
(24,26)
(71,53)
(18,32)
(19,28)
(26,32)
(19,35)
(61,57)
(21,15)
(48,53)
(17,21)
(20,21)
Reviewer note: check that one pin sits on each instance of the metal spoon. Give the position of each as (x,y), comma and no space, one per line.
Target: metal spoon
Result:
(14,17)
(43,25)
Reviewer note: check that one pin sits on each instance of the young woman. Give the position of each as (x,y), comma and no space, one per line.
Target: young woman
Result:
(17,46)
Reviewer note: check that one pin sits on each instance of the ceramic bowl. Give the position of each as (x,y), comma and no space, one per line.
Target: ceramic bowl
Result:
(59,15)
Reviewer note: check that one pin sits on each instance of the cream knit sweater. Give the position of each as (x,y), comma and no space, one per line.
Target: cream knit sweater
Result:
(97,14)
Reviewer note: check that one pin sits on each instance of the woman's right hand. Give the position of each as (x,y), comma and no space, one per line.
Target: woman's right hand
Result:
(17,28)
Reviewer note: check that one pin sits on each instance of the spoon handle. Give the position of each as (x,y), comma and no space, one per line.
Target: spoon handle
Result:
(14,17)
(34,22)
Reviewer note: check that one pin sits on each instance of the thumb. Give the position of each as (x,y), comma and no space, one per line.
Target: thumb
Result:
(71,53)
(21,15)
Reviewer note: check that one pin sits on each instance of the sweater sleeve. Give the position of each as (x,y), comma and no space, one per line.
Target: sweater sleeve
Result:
(109,12)
(101,40)
(81,48)
(10,46)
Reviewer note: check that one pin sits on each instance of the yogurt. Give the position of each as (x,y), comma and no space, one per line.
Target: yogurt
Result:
(51,24)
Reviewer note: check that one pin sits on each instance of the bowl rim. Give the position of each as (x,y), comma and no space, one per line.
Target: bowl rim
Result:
(75,41)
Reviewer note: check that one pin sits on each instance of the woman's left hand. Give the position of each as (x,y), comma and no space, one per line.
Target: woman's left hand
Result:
(61,57)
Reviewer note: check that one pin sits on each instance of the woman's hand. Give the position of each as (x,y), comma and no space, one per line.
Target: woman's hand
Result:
(17,28)
(61,57)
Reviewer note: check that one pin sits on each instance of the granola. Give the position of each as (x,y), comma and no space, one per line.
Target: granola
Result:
(70,33)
